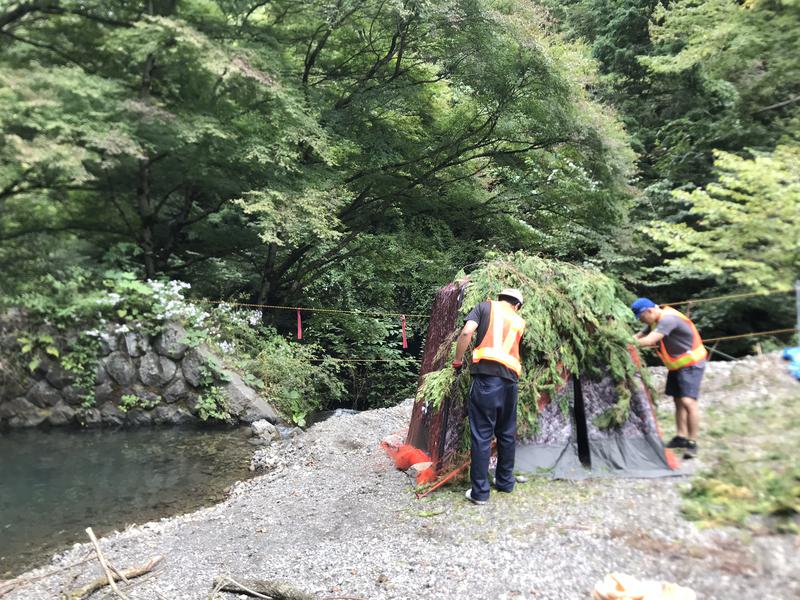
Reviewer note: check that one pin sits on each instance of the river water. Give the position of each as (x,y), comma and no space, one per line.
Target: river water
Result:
(54,484)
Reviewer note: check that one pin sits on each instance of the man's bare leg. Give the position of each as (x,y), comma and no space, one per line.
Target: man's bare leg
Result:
(692,412)
(681,419)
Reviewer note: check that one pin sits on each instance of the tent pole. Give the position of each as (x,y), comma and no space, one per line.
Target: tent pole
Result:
(581,428)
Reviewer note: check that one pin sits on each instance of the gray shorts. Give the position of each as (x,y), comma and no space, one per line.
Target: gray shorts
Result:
(685,382)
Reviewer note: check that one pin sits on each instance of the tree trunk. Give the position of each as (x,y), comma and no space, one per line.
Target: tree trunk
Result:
(145,206)
(144,200)
(265,287)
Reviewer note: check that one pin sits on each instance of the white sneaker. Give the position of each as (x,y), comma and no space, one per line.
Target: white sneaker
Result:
(469,497)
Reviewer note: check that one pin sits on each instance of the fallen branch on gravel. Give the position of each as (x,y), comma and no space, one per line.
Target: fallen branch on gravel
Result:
(271,590)
(100,582)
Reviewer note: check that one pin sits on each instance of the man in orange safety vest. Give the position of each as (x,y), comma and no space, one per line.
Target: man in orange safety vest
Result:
(495,371)
(681,348)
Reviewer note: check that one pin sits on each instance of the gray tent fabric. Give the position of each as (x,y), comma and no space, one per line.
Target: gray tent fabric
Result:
(569,445)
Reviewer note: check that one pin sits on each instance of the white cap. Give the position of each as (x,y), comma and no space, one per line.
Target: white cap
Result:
(512,293)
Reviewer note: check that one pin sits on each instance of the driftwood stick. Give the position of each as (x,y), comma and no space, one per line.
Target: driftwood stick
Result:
(272,590)
(104,563)
(100,582)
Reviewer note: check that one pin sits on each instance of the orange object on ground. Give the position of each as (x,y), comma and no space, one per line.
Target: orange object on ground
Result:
(618,586)
(405,456)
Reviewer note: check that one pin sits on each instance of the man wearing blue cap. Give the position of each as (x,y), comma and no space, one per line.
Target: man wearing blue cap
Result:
(681,348)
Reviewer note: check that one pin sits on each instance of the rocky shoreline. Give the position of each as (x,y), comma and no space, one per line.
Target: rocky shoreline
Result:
(333,517)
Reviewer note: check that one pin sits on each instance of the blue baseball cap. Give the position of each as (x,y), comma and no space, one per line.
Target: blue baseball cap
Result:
(640,305)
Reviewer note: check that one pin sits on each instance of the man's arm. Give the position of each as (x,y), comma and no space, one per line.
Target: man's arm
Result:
(464,339)
(651,339)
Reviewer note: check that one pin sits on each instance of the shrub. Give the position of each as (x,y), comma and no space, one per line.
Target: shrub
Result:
(295,379)
(212,404)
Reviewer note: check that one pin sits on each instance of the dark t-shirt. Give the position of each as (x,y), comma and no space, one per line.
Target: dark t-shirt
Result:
(481,315)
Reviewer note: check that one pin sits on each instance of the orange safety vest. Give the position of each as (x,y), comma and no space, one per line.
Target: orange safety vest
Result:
(692,357)
(501,342)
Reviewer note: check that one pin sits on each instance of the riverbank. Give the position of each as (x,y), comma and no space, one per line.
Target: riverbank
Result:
(55,482)
(334,518)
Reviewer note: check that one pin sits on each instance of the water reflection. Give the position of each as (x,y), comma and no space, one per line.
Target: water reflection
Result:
(54,484)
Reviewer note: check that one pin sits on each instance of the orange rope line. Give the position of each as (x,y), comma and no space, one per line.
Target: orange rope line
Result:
(364,360)
(422,316)
(729,297)
(404,360)
(311,309)
(754,334)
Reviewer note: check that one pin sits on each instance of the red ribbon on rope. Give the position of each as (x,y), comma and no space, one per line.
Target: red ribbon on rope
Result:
(299,326)
(403,329)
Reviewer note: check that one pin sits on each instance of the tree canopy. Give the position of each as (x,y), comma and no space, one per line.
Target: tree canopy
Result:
(272,140)
(355,154)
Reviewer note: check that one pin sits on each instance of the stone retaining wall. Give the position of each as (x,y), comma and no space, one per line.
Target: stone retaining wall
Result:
(162,371)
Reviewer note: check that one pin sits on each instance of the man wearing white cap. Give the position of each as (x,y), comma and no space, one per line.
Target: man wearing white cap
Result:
(495,371)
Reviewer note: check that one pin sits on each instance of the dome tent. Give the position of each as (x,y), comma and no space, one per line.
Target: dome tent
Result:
(584,408)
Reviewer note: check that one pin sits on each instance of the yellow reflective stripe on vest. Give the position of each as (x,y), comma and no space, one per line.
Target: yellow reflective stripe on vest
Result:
(496,355)
(692,357)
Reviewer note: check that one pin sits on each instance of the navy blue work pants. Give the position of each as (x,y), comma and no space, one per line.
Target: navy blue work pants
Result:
(492,413)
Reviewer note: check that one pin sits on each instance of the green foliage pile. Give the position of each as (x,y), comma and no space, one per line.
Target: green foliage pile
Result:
(575,322)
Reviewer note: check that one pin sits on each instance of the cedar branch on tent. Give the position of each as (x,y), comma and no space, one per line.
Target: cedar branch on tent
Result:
(584,408)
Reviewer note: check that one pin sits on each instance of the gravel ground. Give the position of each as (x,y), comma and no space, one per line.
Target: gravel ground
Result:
(334,518)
